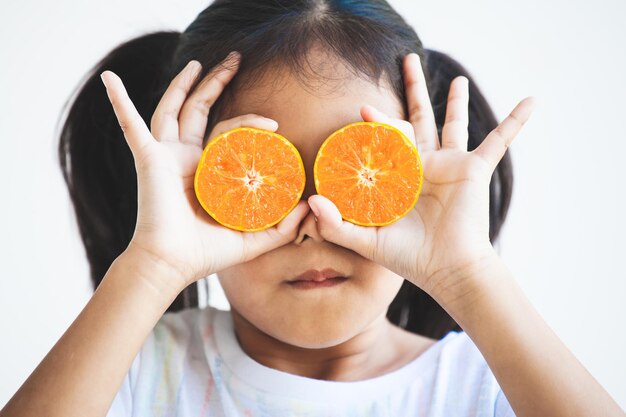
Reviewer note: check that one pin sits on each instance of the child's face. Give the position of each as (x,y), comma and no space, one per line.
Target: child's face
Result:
(257,289)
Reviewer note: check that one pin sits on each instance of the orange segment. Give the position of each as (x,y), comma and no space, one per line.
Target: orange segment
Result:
(249,179)
(370,171)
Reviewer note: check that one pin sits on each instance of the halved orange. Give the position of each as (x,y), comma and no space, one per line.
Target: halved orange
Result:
(370,171)
(249,179)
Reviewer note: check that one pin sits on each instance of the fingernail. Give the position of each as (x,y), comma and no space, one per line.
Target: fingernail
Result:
(103,80)
(315,210)
(233,55)
(374,109)
(191,65)
(272,121)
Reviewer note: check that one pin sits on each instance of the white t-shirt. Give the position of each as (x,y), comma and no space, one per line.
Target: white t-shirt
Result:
(192,365)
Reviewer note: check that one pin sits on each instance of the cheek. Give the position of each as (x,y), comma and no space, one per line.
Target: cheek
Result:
(377,285)
(315,318)
(254,283)
(386,285)
(254,286)
(243,287)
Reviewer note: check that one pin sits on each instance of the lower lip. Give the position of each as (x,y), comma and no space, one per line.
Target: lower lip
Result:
(307,285)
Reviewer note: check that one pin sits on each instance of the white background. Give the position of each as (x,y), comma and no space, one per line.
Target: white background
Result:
(564,235)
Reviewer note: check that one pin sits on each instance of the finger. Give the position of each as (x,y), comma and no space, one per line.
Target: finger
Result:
(333,228)
(493,148)
(247,120)
(257,243)
(134,128)
(164,123)
(454,134)
(420,109)
(372,114)
(194,114)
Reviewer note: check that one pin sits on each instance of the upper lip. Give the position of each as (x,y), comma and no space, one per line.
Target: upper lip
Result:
(316,275)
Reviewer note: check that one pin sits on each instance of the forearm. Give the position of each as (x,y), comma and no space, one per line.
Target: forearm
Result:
(536,371)
(82,373)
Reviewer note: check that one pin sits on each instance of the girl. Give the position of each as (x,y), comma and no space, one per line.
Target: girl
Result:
(385,338)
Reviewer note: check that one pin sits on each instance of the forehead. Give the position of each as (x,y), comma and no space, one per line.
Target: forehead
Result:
(311,106)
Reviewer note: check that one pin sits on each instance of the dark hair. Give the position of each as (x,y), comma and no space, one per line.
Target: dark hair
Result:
(369,36)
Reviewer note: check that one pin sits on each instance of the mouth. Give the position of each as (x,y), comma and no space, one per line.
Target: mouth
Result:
(317,279)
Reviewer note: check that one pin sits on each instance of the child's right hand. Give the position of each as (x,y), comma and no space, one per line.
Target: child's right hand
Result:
(172,227)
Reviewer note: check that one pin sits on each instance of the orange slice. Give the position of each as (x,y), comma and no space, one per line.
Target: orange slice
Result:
(249,179)
(370,171)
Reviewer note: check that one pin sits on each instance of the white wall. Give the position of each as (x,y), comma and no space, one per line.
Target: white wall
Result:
(564,234)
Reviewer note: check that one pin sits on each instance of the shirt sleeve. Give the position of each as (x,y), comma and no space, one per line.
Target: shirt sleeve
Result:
(503,408)
(122,405)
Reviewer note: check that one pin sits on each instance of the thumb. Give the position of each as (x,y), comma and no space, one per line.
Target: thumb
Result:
(334,229)
(257,243)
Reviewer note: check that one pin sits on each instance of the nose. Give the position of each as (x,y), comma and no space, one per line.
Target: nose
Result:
(308,226)
(309,185)
(308,229)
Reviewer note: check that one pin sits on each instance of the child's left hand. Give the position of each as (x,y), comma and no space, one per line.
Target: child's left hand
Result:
(448,230)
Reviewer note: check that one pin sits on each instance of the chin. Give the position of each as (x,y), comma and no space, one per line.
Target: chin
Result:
(318,331)
(315,337)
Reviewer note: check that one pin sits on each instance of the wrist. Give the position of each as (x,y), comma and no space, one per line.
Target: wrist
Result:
(148,268)
(457,289)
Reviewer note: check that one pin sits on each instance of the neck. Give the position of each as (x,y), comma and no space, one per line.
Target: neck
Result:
(366,355)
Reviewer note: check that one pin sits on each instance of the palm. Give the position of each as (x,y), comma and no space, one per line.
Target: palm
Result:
(171,216)
(171,224)
(448,229)
(188,232)
(450,216)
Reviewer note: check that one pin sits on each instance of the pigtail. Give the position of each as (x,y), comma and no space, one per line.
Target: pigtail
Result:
(96,162)
(413,309)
